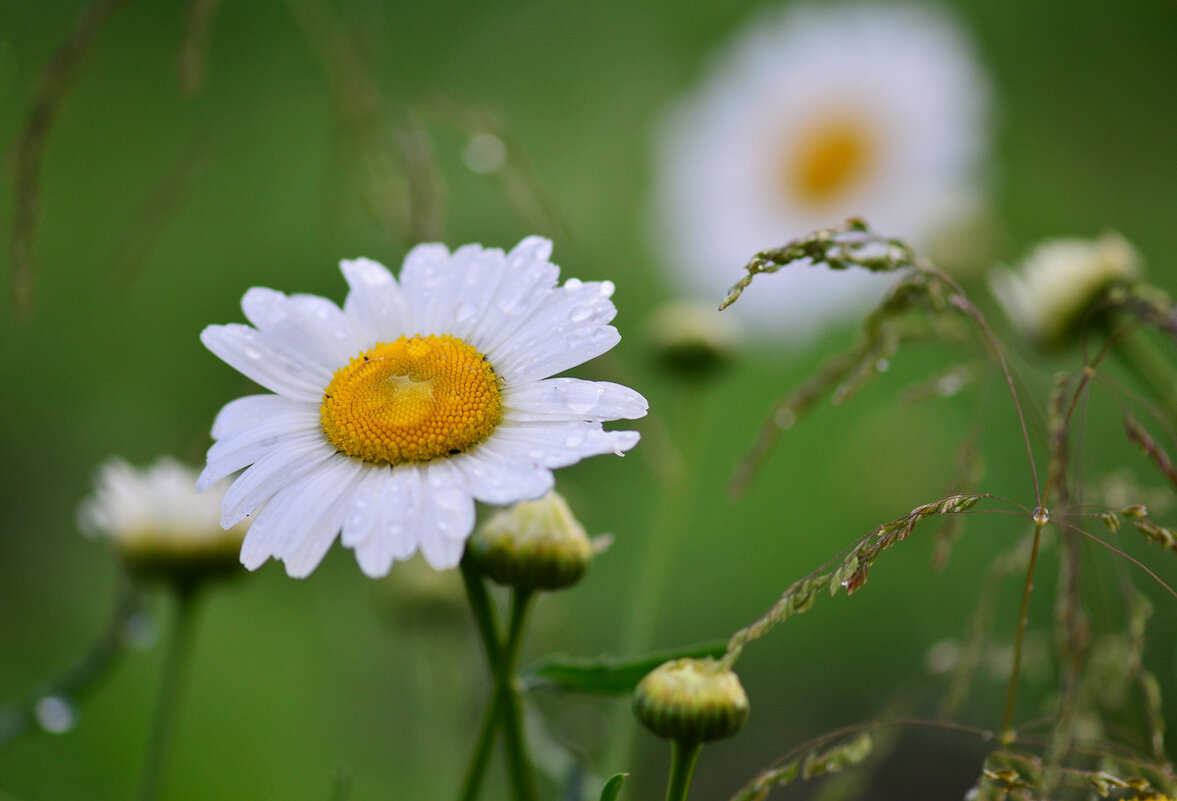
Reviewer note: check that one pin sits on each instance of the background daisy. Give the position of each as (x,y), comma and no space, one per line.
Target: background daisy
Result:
(811,115)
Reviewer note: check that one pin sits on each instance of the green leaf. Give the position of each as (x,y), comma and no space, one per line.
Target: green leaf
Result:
(613,787)
(607,675)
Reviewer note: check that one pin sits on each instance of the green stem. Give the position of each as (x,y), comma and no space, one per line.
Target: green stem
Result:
(175,667)
(683,756)
(504,704)
(488,630)
(1011,696)
(511,703)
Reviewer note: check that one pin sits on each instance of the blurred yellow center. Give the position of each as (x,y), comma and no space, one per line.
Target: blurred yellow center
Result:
(826,160)
(411,400)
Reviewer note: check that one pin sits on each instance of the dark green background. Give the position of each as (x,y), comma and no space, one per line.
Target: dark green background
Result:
(293,678)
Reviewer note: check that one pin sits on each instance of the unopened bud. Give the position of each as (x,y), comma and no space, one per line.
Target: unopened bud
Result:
(534,545)
(692,701)
(692,340)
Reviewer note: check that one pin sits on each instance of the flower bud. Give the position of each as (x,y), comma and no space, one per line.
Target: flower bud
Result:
(691,700)
(158,524)
(534,545)
(691,340)
(1060,281)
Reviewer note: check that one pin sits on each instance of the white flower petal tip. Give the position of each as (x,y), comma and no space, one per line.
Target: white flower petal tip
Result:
(812,114)
(492,324)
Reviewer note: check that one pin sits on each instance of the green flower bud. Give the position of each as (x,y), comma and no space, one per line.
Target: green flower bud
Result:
(535,545)
(691,340)
(692,701)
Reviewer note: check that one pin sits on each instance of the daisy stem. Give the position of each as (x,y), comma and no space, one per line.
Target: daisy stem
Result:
(511,703)
(175,666)
(505,705)
(683,756)
(488,630)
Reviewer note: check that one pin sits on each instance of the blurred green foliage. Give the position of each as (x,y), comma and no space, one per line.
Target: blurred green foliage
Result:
(292,679)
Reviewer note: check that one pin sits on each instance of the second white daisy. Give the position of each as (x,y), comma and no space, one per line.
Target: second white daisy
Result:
(811,116)
(395,413)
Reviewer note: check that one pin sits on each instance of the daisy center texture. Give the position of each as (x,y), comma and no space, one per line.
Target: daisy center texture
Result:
(826,160)
(412,400)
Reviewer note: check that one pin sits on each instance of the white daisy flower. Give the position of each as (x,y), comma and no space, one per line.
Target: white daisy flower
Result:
(156,520)
(394,414)
(813,115)
(1059,281)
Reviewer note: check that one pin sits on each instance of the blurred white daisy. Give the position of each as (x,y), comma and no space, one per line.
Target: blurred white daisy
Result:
(1059,281)
(813,115)
(156,520)
(394,414)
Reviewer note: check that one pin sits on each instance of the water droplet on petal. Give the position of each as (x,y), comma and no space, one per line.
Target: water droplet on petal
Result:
(268,441)
(582,397)
(574,440)
(581,313)
(253,353)
(55,714)
(1041,515)
(465,311)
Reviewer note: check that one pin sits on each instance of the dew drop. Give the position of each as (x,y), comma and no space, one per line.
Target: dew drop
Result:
(140,630)
(574,440)
(465,311)
(573,283)
(253,353)
(268,441)
(581,313)
(1041,516)
(785,418)
(484,153)
(55,714)
(582,397)
(882,365)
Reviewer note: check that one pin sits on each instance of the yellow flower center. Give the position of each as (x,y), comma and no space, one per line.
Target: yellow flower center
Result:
(826,160)
(411,400)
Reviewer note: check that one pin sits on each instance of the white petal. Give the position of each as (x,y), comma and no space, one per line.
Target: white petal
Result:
(299,524)
(450,501)
(552,445)
(506,301)
(283,465)
(307,324)
(275,366)
(569,328)
(447,515)
(228,455)
(573,399)
(499,478)
(428,279)
(375,303)
(243,413)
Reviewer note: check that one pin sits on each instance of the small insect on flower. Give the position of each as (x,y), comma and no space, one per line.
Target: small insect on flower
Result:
(811,115)
(418,397)
(158,524)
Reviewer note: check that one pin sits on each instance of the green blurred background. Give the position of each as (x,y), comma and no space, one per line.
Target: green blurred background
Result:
(161,207)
